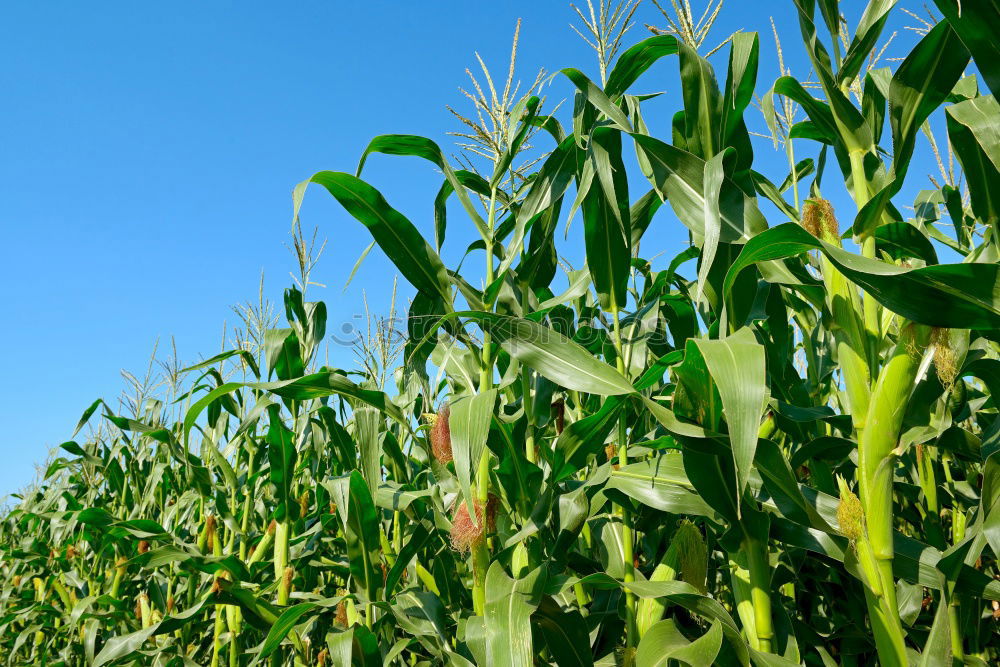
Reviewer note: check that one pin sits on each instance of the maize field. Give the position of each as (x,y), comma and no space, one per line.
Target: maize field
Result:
(774,444)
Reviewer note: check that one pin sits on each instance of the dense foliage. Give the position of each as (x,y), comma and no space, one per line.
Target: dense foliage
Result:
(779,448)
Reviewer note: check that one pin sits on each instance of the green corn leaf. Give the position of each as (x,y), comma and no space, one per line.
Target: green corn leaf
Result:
(282,456)
(679,178)
(961,296)
(637,59)
(87,414)
(408,144)
(641,215)
(737,367)
(282,351)
(355,646)
(972,129)
(509,606)
(550,353)
(769,190)
(524,114)
(584,438)
(288,620)
(551,125)
(662,484)
(819,112)
(244,356)
(853,132)
(744,54)
(422,614)
(664,643)
(368,427)
(606,217)
(124,646)
(937,648)
(192,560)
(714,176)
(418,539)
(687,596)
(361,530)
(315,385)
(702,104)
(468,179)
(395,235)
(564,634)
(919,87)
(902,240)
(873,99)
(977,24)
(593,95)
(865,36)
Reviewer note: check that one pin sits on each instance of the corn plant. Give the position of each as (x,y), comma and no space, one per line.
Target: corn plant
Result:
(778,446)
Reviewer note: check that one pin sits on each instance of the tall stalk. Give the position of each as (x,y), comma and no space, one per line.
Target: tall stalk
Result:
(627,536)
(281,541)
(876,464)
(481,549)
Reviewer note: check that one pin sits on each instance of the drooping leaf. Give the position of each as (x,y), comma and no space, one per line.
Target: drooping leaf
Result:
(637,59)
(702,104)
(977,24)
(679,178)
(973,132)
(592,94)
(551,354)
(395,235)
(961,296)
(664,642)
(919,86)
(408,144)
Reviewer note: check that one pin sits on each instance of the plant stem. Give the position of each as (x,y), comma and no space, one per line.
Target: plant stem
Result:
(281,535)
(790,151)
(760,590)
(481,549)
(958,525)
(876,459)
(627,536)
(954,623)
(862,194)
(743,600)
(849,334)
(872,324)
(526,398)
(245,520)
(928,484)
(220,610)
(486,372)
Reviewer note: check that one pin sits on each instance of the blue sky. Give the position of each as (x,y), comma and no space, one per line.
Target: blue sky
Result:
(149,153)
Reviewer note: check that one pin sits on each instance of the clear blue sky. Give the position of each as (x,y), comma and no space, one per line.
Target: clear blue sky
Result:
(149,152)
